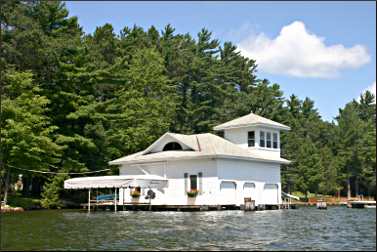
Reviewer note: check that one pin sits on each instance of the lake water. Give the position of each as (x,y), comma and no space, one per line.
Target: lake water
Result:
(306,228)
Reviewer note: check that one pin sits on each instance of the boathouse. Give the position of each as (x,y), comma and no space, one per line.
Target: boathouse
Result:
(242,161)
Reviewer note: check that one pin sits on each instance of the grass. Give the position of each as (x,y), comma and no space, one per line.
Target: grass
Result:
(17,200)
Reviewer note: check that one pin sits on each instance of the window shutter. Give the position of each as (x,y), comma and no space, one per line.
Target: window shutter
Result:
(200,176)
(186,180)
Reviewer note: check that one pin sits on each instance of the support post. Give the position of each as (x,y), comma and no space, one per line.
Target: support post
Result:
(124,195)
(6,187)
(96,206)
(89,200)
(150,201)
(115,199)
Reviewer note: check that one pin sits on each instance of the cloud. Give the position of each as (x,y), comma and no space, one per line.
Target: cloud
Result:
(300,53)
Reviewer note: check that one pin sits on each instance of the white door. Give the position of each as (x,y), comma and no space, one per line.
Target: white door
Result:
(228,192)
(270,194)
(249,190)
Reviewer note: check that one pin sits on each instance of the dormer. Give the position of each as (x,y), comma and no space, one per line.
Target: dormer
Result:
(254,132)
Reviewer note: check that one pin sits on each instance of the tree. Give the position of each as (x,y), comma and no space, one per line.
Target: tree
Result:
(143,109)
(350,134)
(26,131)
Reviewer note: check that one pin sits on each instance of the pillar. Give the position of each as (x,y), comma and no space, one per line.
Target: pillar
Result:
(89,200)
(115,199)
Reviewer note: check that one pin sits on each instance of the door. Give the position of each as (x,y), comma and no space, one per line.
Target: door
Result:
(270,194)
(228,192)
(249,190)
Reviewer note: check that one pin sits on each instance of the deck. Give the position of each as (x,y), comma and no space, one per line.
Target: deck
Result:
(361,204)
(132,206)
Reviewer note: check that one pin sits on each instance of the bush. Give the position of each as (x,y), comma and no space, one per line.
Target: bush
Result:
(17,200)
(51,192)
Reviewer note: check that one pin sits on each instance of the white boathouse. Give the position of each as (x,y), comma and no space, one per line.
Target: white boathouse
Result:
(203,169)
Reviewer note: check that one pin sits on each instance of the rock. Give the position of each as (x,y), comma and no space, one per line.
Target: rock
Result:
(8,209)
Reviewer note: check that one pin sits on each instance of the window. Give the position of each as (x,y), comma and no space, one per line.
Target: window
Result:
(268,145)
(193,182)
(275,140)
(251,138)
(262,142)
(172,146)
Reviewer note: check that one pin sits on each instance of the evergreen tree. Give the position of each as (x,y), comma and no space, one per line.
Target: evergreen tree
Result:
(26,131)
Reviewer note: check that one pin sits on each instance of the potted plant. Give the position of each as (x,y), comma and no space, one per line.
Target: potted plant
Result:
(192,193)
(135,194)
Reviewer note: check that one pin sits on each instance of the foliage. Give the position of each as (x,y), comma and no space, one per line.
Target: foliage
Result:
(135,194)
(16,200)
(71,101)
(192,193)
(51,192)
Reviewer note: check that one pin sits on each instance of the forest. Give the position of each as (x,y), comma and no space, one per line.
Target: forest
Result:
(71,102)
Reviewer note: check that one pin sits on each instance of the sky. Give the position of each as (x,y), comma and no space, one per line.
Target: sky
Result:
(322,50)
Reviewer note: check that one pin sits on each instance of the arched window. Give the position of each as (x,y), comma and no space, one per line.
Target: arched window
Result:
(172,146)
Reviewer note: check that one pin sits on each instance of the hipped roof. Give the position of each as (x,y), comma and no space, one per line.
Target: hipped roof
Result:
(201,146)
(251,120)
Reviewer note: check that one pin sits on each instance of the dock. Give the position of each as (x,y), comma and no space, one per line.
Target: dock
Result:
(132,206)
(361,204)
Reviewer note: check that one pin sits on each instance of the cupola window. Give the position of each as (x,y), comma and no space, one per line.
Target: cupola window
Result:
(262,140)
(268,145)
(275,140)
(251,138)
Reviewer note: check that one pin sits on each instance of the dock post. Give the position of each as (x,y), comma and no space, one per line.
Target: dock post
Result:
(115,199)
(249,204)
(89,201)
(123,198)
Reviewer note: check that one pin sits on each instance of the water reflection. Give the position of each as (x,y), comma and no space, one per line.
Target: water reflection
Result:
(337,228)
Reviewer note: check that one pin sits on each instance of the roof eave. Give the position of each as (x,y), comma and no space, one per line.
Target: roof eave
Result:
(161,159)
(282,127)
(135,161)
(266,160)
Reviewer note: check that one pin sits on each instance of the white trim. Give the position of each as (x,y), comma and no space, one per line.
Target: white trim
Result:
(253,125)
(281,161)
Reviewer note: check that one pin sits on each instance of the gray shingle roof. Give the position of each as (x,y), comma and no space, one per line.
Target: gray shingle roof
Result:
(203,146)
(251,120)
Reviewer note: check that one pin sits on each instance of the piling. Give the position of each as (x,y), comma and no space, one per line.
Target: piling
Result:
(249,204)
(321,205)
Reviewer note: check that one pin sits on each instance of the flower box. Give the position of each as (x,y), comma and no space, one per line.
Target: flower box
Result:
(135,194)
(192,193)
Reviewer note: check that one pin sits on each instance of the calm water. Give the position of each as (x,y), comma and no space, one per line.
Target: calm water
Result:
(337,228)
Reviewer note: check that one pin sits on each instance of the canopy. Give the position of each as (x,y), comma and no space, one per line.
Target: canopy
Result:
(144,181)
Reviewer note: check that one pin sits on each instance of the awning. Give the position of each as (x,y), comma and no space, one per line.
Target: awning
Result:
(121,181)
(290,196)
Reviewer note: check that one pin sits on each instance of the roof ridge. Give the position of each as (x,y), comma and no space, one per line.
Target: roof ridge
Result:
(197,140)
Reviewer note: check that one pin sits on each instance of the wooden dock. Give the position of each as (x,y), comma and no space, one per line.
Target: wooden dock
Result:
(132,206)
(361,204)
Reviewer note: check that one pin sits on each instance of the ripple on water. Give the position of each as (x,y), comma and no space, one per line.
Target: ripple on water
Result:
(338,228)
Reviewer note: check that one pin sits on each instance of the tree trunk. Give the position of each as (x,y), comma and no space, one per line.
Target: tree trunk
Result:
(6,187)
(357,187)
(349,188)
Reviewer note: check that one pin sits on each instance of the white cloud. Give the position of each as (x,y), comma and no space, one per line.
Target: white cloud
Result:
(300,53)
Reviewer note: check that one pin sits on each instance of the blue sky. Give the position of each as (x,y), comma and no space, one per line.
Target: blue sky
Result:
(322,50)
